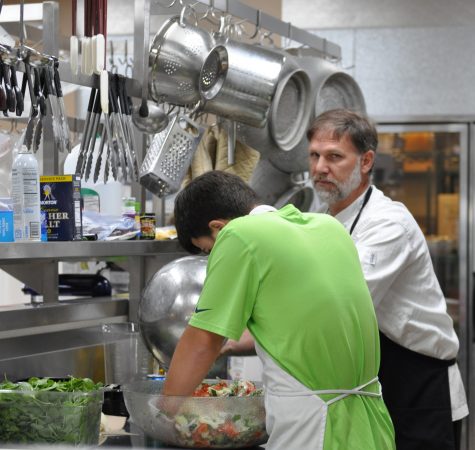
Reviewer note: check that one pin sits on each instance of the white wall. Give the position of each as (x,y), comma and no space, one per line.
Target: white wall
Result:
(327,14)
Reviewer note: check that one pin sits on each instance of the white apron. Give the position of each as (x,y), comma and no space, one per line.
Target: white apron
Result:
(295,415)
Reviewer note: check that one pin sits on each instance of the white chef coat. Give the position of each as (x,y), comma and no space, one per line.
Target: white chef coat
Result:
(408,300)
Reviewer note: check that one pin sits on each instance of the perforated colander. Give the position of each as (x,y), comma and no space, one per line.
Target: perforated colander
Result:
(176,57)
(214,71)
(249,85)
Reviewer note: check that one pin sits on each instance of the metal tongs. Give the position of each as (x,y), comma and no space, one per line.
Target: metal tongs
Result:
(34,115)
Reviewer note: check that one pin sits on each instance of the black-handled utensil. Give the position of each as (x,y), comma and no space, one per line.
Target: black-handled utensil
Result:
(95,126)
(118,128)
(124,102)
(38,87)
(62,108)
(19,96)
(34,116)
(3,95)
(86,131)
(10,94)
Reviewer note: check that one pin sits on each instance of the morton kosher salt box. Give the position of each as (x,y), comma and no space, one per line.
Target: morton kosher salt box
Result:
(61,202)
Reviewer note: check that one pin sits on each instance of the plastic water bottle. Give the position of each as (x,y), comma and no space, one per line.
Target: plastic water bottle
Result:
(26,196)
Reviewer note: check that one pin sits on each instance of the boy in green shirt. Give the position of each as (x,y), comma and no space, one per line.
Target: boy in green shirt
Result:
(294,281)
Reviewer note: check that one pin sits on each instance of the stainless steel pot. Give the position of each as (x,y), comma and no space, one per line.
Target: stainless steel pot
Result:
(249,85)
(330,88)
(176,57)
(290,114)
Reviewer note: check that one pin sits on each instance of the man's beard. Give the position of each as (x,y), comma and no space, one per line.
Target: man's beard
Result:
(339,190)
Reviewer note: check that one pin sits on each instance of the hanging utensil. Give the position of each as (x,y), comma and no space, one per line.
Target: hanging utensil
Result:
(10,94)
(169,156)
(18,93)
(34,116)
(89,145)
(3,94)
(118,128)
(111,160)
(96,120)
(41,99)
(62,109)
(124,104)
(86,131)
(52,105)
(74,41)
(97,168)
(112,147)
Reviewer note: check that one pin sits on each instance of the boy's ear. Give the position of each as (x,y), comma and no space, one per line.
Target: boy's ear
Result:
(217,224)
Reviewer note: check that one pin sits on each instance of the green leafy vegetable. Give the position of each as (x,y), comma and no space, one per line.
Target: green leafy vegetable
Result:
(51,411)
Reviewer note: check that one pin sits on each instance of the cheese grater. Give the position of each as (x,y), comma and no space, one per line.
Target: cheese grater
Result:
(169,156)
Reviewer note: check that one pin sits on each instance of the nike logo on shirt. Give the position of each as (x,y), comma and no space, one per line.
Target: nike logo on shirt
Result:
(198,310)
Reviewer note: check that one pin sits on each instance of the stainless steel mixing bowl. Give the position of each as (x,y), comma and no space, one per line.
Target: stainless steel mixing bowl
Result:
(167,303)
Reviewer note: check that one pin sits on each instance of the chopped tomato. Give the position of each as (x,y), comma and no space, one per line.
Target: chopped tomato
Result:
(197,435)
(229,429)
(201,428)
(203,390)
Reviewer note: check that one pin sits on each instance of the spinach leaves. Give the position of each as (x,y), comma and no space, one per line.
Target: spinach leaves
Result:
(50,411)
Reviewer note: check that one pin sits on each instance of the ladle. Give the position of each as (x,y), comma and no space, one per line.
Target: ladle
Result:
(149,117)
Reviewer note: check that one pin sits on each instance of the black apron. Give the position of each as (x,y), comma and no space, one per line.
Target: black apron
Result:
(417,394)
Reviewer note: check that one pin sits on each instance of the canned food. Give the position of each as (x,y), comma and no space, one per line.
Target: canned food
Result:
(147,226)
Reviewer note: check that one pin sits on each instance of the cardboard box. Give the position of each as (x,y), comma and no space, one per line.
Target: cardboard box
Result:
(61,200)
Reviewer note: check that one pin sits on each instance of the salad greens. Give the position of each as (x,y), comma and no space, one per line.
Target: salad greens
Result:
(50,410)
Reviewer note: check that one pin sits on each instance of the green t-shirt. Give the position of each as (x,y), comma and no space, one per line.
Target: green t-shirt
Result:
(295,281)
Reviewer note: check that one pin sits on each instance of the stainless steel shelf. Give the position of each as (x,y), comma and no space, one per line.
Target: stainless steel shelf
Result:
(28,319)
(33,251)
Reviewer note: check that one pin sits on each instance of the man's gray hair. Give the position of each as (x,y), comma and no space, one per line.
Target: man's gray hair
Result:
(338,123)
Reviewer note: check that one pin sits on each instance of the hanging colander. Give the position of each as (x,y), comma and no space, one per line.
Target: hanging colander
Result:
(249,85)
(176,57)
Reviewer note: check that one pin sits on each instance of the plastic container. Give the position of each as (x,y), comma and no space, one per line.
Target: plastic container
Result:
(201,422)
(26,196)
(125,356)
(38,417)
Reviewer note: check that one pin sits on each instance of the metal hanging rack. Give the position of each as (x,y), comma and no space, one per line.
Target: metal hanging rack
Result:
(261,19)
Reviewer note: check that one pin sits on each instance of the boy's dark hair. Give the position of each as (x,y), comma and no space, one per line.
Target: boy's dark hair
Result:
(340,122)
(213,195)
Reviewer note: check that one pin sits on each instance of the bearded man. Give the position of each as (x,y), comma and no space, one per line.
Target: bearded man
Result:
(421,381)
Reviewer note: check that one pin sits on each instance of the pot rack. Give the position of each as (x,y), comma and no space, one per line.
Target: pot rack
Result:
(143,10)
(260,19)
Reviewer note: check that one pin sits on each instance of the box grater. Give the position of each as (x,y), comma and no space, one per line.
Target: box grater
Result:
(169,156)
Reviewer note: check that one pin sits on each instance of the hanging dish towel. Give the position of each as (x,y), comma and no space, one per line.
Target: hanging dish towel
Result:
(245,158)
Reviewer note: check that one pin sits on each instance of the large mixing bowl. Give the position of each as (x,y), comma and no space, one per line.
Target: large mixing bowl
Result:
(167,303)
(200,422)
